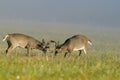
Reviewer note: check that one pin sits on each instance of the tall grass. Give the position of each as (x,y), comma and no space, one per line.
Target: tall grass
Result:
(86,67)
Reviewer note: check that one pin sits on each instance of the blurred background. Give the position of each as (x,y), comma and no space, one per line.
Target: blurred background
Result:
(46,15)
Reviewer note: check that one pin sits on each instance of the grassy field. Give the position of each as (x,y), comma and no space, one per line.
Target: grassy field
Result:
(95,65)
(102,61)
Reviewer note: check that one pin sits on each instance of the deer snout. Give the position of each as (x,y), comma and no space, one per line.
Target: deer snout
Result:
(45,49)
(57,51)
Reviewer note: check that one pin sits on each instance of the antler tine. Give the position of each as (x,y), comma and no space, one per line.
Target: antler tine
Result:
(43,40)
(52,41)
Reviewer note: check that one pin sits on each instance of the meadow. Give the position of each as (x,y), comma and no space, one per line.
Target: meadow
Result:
(102,61)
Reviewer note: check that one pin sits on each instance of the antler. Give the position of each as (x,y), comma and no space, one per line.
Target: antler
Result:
(52,41)
(43,41)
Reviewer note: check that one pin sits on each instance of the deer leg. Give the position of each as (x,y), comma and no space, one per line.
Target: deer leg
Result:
(80,52)
(68,51)
(28,51)
(65,54)
(84,50)
(9,49)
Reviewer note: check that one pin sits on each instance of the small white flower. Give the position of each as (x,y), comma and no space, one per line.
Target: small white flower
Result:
(18,77)
(42,66)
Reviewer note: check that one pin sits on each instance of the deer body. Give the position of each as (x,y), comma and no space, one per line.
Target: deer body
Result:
(74,43)
(21,40)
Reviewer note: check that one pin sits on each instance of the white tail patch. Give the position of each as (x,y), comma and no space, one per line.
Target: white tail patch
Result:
(89,42)
(82,48)
(6,36)
(77,49)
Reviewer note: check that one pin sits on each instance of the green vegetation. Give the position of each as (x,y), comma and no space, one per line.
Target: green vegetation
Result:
(93,66)
(102,61)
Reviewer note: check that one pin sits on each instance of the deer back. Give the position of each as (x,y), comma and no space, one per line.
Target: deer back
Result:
(75,42)
(22,40)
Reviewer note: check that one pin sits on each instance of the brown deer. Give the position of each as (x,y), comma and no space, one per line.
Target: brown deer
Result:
(74,43)
(21,40)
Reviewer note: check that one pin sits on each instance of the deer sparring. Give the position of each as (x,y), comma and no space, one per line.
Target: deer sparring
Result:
(21,40)
(74,43)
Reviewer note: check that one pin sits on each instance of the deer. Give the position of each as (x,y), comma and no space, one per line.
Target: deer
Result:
(74,43)
(21,40)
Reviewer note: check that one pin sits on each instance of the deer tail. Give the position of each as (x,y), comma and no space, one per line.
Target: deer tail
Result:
(90,42)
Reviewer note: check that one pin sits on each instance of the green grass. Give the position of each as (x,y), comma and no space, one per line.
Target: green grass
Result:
(100,66)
